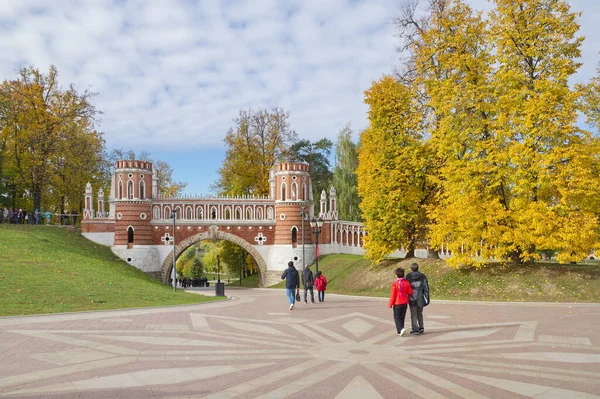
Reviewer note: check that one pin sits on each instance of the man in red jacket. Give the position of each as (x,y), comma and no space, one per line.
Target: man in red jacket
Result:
(400,291)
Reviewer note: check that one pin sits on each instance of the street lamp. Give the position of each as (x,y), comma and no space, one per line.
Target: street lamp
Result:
(303,214)
(174,217)
(316,225)
(219,287)
(241,260)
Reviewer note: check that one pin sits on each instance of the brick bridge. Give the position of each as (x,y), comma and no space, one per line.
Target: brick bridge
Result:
(139,228)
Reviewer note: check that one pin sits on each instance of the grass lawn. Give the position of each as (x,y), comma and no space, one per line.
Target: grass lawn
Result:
(247,282)
(539,282)
(47,269)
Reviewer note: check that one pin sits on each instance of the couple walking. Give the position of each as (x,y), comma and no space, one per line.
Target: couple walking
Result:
(412,291)
(292,284)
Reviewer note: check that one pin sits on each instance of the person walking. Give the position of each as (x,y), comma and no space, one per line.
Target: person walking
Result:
(309,281)
(292,283)
(321,285)
(399,294)
(418,300)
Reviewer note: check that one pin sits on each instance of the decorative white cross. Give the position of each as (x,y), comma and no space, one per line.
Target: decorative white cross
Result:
(260,239)
(166,239)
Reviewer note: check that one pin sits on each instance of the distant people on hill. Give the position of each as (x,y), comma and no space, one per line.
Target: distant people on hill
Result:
(308,280)
(418,300)
(292,283)
(4,215)
(399,294)
(47,215)
(36,216)
(74,216)
(321,285)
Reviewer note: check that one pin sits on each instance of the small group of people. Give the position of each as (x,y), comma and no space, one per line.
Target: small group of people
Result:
(411,291)
(22,216)
(193,282)
(19,216)
(309,281)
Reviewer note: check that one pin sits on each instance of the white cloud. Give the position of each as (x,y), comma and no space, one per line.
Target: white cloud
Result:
(173,74)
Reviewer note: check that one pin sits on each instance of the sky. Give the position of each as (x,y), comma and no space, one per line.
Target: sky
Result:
(171,75)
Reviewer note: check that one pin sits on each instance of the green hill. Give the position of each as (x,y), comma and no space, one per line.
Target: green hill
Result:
(538,282)
(47,269)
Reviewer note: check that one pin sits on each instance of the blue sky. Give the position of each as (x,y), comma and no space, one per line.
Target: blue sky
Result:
(171,75)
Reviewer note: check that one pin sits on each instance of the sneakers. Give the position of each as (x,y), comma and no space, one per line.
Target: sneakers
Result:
(401,333)
(306,302)
(291,306)
(422,331)
(415,333)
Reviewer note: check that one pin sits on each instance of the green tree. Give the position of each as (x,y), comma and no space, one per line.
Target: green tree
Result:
(344,176)
(317,156)
(194,269)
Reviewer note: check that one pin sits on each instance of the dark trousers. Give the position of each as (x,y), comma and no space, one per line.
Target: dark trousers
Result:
(399,315)
(321,295)
(416,318)
(312,294)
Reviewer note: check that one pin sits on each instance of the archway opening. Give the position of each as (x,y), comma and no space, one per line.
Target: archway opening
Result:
(238,262)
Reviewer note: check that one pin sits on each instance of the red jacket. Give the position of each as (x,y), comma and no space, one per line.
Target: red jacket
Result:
(399,297)
(321,283)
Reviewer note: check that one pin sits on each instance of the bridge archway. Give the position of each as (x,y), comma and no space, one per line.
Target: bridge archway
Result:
(212,234)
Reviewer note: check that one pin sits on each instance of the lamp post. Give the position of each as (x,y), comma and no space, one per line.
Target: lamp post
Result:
(303,214)
(316,225)
(241,258)
(219,287)
(174,216)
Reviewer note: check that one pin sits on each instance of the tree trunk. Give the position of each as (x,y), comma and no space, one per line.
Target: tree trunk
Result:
(432,253)
(515,257)
(37,196)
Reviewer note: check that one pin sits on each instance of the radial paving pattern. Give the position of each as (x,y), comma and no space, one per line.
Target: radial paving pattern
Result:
(253,347)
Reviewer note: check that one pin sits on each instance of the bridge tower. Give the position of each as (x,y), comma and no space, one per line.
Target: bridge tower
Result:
(291,189)
(131,198)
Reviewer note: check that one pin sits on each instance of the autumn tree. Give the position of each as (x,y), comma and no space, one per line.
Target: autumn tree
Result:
(344,176)
(590,101)
(511,172)
(391,170)
(259,139)
(317,156)
(40,122)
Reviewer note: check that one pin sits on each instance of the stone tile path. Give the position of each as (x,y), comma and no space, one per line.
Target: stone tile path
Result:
(252,346)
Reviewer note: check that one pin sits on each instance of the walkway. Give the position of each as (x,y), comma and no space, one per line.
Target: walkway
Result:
(252,346)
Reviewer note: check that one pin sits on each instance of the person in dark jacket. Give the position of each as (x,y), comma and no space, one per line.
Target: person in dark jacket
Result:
(309,281)
(418,300)
(292,283)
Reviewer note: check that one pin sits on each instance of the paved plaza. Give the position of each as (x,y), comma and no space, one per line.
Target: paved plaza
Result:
(252,346)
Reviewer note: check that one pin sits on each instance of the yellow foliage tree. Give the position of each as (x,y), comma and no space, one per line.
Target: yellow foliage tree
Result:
(259,140)
(392,170)
(511,171)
